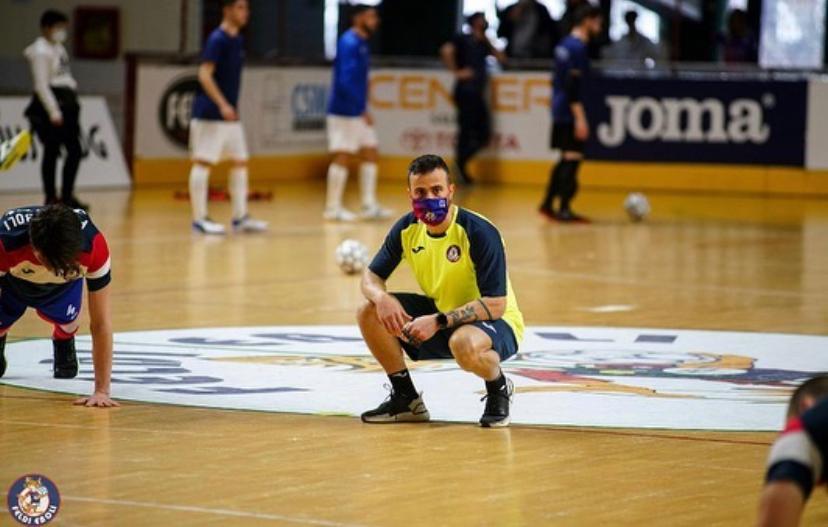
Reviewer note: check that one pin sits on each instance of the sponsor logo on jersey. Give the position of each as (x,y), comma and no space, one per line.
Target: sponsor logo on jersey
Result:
(453,253)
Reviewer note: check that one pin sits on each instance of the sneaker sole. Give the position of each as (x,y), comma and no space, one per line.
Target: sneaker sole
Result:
(61,374)
(503,423)
(196,230)
(407,417)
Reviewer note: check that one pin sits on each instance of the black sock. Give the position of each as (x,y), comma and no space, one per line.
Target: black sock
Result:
(569,185)
(553,187)
(402,384)
(495,385)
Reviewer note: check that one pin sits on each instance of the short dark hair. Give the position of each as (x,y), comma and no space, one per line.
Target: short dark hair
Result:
(474,16)
(227,3)
(51,18)
(358,9)
(815,388)
(427,164)
(55,232)
(585,12)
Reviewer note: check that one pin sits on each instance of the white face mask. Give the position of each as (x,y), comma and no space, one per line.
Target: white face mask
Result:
(59,36)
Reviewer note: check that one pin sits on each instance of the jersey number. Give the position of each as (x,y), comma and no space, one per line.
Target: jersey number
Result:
(16,220)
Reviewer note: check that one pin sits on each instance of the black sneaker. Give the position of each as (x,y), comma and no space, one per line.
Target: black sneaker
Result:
(496,414)
(567,216)
(398,409)
(66,359)
(2,355)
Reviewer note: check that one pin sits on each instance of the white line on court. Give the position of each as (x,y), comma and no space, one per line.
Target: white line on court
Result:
(205,510)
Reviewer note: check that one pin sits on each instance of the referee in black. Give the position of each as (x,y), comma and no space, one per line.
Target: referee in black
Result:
(465,55)
(54,111)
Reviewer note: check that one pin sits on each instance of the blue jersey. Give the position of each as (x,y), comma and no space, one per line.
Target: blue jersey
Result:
(571,58)
(349,87)
(227,53)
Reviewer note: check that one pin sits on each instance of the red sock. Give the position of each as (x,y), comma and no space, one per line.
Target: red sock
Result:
(59,334)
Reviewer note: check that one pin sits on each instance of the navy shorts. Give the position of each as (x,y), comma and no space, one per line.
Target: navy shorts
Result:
(61,310)
(563,138)
(437,347)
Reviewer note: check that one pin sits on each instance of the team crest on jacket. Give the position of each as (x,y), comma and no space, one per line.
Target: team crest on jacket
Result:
(453,253)
(33,500)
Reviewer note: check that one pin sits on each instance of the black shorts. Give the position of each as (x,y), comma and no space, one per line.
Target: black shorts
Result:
(437,347)
(563,138)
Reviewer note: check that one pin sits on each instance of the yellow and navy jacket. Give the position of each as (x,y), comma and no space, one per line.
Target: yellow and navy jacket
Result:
(465,263)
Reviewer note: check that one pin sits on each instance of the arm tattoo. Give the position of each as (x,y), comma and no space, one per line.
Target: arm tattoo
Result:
(461,316)
(485,308)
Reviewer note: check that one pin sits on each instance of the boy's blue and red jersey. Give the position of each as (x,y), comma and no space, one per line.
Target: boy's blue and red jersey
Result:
(801,451)
(28,280)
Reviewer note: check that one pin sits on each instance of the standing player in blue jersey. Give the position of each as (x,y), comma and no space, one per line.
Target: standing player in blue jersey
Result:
(350,126)
(468,313)
(797,461)
(570,128)
(215,130)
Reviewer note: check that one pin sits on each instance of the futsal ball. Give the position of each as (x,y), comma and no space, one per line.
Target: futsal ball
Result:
(637,206)
(351,256)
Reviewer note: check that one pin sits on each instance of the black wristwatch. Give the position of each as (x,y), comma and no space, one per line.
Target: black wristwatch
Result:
(442,321)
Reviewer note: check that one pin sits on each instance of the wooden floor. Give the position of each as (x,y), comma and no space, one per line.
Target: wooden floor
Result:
(712,262)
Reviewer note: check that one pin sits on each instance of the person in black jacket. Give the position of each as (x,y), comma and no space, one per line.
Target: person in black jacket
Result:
(465,56)
(54,112)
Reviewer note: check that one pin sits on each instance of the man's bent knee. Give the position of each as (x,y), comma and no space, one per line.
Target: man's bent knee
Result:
(462,347)
(366,313)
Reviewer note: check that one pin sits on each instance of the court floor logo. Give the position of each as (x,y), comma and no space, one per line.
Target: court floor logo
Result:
(33,500)
(581,376)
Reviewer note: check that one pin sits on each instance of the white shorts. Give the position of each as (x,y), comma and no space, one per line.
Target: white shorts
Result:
(214,141)
(350,134)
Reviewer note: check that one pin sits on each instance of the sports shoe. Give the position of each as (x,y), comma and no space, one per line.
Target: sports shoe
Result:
(208,226)
(2,355)
(375,212)
(340,214)
(248,224)
(567,216)
(66,359)
(548,214)
(14,149)
(496,414)
(398,409)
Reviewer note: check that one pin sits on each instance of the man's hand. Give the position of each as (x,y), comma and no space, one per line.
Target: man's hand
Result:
(369,119)
(56,120)
(420,329)
(391,314)
(228,113)
(464,74)
(97,399)
(581,129)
